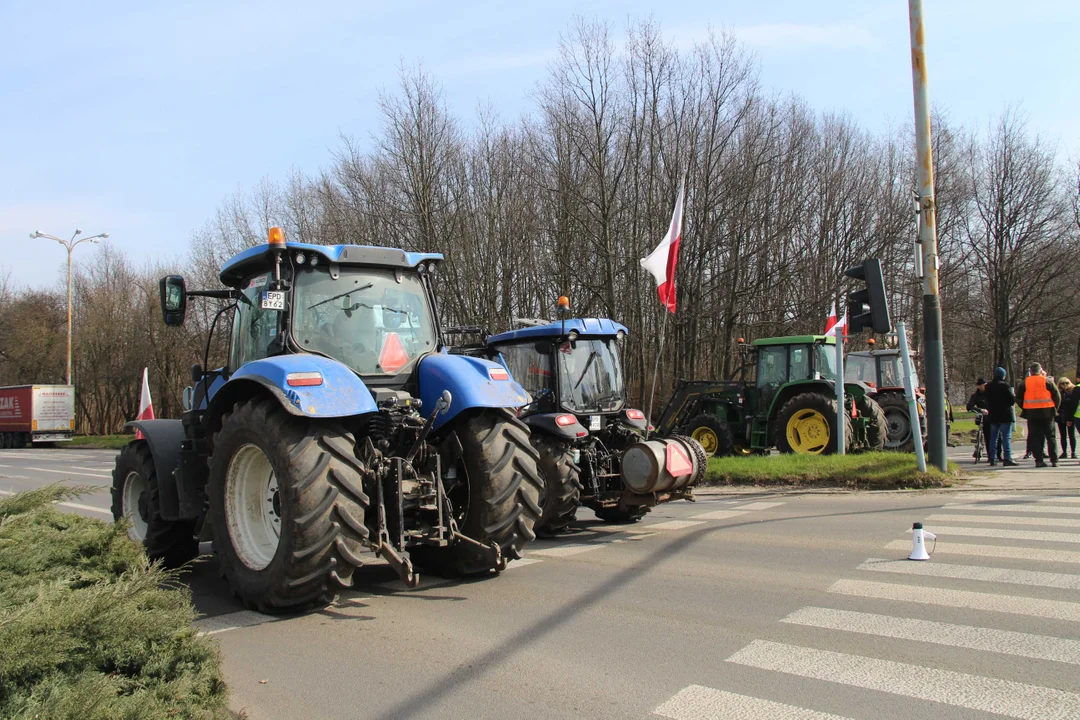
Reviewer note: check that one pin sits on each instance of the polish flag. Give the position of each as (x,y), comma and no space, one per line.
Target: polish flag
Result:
(833,325)
(661,261)
(146,405)
(832,320)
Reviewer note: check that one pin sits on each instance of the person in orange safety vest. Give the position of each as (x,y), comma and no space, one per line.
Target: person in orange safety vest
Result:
(1038,399)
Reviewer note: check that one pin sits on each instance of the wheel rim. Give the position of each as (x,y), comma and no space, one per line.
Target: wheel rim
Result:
(899,428)
(708,439)
(252,507)
(134,508)
(808,432)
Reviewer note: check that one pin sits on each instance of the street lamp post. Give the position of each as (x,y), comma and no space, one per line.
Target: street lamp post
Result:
(70,245)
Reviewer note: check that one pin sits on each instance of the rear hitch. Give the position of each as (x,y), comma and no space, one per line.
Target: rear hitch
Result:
(492,552)
(402,565)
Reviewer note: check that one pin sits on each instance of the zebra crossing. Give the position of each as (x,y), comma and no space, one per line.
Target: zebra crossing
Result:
(978,586)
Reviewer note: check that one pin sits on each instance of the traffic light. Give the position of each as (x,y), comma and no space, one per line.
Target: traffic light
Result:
(868,307)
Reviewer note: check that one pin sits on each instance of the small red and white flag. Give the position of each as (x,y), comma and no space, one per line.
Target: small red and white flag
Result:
(832,325)
(661,261)
(146,405)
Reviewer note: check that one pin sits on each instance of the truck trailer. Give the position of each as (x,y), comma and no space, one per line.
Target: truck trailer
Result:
(36,414)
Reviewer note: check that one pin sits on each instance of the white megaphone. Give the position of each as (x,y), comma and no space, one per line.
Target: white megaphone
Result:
(918,542)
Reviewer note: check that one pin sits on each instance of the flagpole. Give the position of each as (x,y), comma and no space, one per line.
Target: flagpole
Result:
(656,373)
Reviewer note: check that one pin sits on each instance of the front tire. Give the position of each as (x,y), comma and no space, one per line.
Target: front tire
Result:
(561,495)
(713,434)
(135,498)
(500,499)
(898,421)
(287,507)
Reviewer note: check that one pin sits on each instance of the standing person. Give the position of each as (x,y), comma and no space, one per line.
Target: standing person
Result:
(1001,415)
(1070,401)
(978,404)
(1039,399)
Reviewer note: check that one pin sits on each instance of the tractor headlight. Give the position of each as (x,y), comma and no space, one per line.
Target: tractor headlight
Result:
(300,258)
(421,268)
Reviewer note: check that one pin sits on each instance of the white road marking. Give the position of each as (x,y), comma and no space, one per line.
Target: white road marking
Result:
(999,551)
(943,532)
(39,455)
(521,562)
(760,505)
(981,497)
(1006,520)
(1060,498)
(16,477)
(974,572)
(1004,697)
(718,515)
(69,472)
(993,602)
(566,550)
(668,525)
(702,703)
(1020,507)
(1005,642)
(95,469)
(231,621)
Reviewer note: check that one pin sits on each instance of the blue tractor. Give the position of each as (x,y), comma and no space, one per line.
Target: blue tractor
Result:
(340,424)
(592,446)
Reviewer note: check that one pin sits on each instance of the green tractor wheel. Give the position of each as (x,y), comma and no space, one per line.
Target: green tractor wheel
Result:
(805,425)
(713,434)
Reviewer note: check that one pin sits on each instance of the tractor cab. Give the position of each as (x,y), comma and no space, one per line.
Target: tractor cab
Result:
(570,367)
(785,360)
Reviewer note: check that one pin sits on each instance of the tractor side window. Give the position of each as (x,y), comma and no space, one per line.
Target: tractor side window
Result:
(799,363)
(531,367)
(254,329)
(891,373)
(772,365)
(825,362)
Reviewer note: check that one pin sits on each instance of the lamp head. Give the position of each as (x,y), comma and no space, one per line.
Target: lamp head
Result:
(35,235)
(105,236)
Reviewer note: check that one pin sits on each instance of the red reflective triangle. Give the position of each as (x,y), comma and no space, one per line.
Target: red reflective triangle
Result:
(678,462)
(393,356)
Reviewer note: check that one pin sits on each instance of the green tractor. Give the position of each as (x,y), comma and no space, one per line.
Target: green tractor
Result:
(784,397)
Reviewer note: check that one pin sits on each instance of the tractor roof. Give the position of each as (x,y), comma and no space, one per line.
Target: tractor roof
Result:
(595,327)
(879,352)
(260,258)
(796,340)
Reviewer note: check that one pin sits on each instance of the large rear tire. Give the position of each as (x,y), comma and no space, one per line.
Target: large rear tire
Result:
(287,507)
(877,426)
(713,434)
(805,425)
(899,436)
(135,497)
(561,495)
(500,499)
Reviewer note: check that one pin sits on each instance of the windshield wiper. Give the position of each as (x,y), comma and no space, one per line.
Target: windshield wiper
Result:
(588,364)
(338,297)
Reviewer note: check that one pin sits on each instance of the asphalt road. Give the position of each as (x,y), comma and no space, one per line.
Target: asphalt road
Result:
(749,606)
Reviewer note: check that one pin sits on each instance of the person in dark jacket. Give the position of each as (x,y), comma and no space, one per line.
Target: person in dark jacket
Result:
(1039,399)
(1001,416)
(977,404)
(1070,399)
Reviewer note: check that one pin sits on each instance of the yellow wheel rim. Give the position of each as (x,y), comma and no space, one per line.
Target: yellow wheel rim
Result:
(742,450)
(707,438)
(808,432)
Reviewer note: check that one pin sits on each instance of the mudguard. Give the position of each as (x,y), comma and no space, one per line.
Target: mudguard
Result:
(164,438)
(341,394)
(470,382)
(545,422)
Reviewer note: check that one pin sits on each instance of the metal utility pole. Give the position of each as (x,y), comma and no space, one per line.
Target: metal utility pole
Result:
(70,245)
(841,413)
(932,346)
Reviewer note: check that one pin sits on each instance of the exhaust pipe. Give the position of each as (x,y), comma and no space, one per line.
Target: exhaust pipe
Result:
(653,466)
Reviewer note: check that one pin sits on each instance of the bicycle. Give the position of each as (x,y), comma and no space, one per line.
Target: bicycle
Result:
(979,438)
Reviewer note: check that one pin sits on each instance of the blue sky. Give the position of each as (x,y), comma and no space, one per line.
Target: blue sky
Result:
(139,118)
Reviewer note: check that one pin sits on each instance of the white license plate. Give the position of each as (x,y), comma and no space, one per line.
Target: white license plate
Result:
(273,300)
(594,423)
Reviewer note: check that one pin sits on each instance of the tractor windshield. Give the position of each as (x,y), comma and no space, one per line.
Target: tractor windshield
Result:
(590,376)
(860,368)
(825,361)
(377,321)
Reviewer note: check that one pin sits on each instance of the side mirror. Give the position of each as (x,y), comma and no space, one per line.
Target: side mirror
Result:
(173,300)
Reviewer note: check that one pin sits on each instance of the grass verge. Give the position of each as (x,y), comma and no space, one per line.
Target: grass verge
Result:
(89,629)
(107,442)
(864,471)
